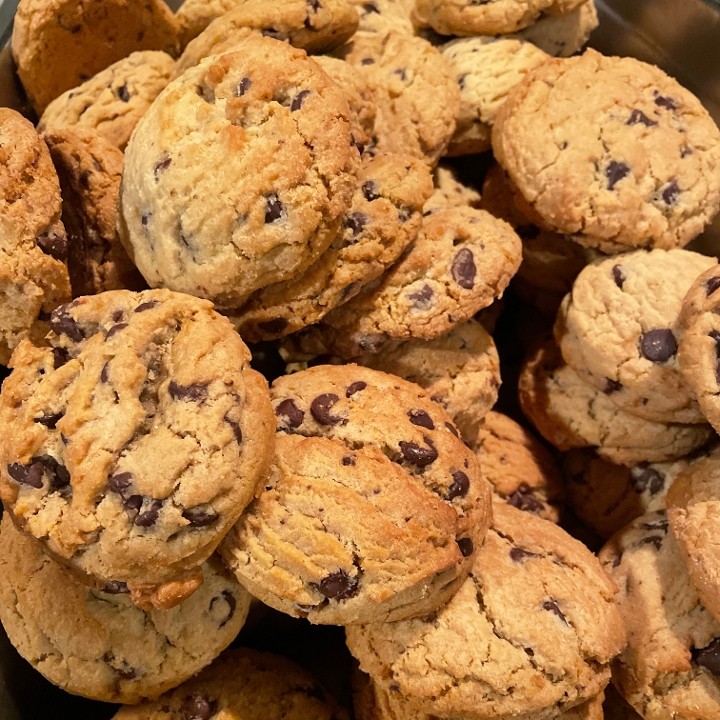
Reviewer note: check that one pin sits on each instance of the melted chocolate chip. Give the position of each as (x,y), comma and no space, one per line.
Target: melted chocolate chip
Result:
(235,426)
(664,101)
(60,357)
(31,474)
(618,275)
(466,547)
(452,429)
(115,329)
(421,418)
(53,245)
(708,657)
(612,386)
(123,93)
(198,707)
(356,222)
(273,208)
(229,599)
(115,587)
(463,269)
(49,420)
(355,387)
(711,285)
(552,606)
(655,540)
(197,392)
(524,499)
(321,407)
(421,299)
(659,345)
(57,474)
(460,485)
(133,504)
(149,517)
(518,554)
(646,479)
(615,172)
(638,117)
(161,165)
(274,327)
(105,372)
(243,86)
(299,99)
(200,516)
(339,586)
(417,455)
(670,193)
(62,323)
(292,414)
(149,305)
(348,460)
(370,191)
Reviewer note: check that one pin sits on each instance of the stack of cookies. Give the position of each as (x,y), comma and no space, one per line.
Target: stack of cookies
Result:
(252,321)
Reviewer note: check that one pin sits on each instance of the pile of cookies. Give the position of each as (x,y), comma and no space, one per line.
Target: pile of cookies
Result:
(277,175)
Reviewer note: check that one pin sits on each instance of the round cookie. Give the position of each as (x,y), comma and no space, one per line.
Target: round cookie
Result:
(135,440)
(535,620)
(59,44)
(461,262)
(634,165)
(373,508)
(90,168)
(381,16)
(569,413)
(670,666)
(450,192)
(243,684)
(33,245)
(618,329)
(239,174)
(382,220)
(98,644)
(520,469)
(485,69)
(113,101)
(406,71)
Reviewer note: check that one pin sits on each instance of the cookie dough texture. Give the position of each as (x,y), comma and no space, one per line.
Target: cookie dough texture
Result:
(33,245)
(59,44)
(633,166)
(243,684)
(669,668)
(135,440)
(619,330)
(112,101)
(238,175)
(530,633)
(373,508)
(98,644)
(90,169)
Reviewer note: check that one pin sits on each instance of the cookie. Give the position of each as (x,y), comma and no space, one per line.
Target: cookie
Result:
(244,684)
(90,168)
(313,26)
(239,174)
(460,263)
(520,469)
(633,166)
(563,35)
(373,507)
(135,440)
(111,102)
(59,44)
(569,413)
(670,666)
(700,298)
(535,620)
(381,16)
(33,273)
(98,644)
(485,69)
(450,191)
(618,329)
(406,71)
(382,220)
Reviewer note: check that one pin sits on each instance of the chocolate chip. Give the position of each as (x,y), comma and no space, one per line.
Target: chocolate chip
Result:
(639,117)
(685,151)
(655,540)
(123,93)
(348,460)
(659,345)
(298,100)
(320,409)
(57,474)
(711,285)
(339,586)
(518,554)
(206,93)
(452,429)
(228,599)
(120,667)
(370,190)
(118,315)
(401,73)
(421,299)
(615,172)
(197,392)
(417,455)
(115,587)
(708,657)
(355,387)
(670,192)
(552,606)
(243,86)
(421,418)
(466,547)
(30,474)
(60,357)
(356,222)
(273,208)
(199,516)
(198,707)
(463,269)
(105,372)
(115,329)
(144,220)
(646,478)
(664,101)
(460,485)
(461,80)
(163,164)
(367,61)
(53,244)
(292,414)
(618,276)
(235,425)
(660,524)
(149,305)
(64,324)
(370,7)
(524,499)
(149,517)
(133,504)
(274,327)
(49,420)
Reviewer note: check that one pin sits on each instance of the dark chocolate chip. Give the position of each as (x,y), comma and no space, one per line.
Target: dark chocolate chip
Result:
(133,504)
(115,329)
(163,164)
(370,191)
(461,80)
(659,345)
(243,86)
(198,707)
(53,245)
(370,7)
(401,73)
(524,499)
(661,524)
(618,276)
(321,407)
(460,485)
(57,474)
(355,387)
(200,516)
(30,474)
(144,220)
(552,606)
(670,192)
(711,285)
(452,429)
(646,478)
(612,386)
(115,587)
(367,61)
(664,101)
(292,414)
(149,517)
(235,425)
(465,546)
(463,269)
(62,323)
(60,357)
(655,540)
(197,392)
(639,117)
(615,172)
(105,372)
(685,151)
(118,315)
(518,554)
(49,420)
(339,586)
(298,100)
(421,418)
(123,93)
(229,599)
(417,455)
(421,299)
(348,460)
(273,208)
(274,327)
(149,305)
(708,656)
(356,222)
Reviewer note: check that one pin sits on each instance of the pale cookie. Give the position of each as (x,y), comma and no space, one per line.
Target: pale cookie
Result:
(382,220)
(485,69)
(407,72)
(569,413)
(373,508)
(634,165)
(670,669)
(618,329)
(33,245)
(243,684)
(316,27)
(520,469)
(381,16)
(460,263)
(530,633)
(450,191)
(90,169)
(113,101)
(135,440)
(59,44)
(98,644)
(239,174)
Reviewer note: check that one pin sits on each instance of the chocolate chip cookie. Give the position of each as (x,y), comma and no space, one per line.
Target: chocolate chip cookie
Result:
(381,16)
(450,191)
(135,440)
